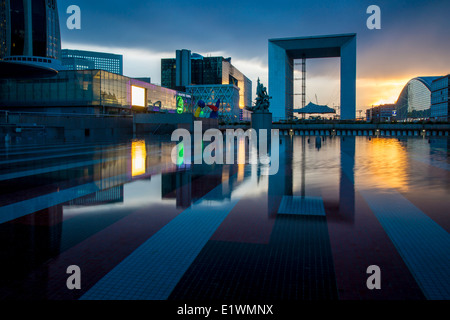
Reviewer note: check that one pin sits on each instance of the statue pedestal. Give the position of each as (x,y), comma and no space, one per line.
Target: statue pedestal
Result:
(262,120)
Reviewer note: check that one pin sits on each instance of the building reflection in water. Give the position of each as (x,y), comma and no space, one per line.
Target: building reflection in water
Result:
(27,242)
(138,158)
(101,197)
(439,147)
(281,184)
(347,179)
(241,158)
(190,183)
(294,151)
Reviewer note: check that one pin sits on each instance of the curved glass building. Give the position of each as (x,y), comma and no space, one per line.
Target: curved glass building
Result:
(414,101)
(30,28)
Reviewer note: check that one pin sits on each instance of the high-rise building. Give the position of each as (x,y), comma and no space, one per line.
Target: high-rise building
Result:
(83,60)
(183,68)
(29,29)
(168,72)
(4,8)
(440,101)
(385,112)
(197,74)
(78,64)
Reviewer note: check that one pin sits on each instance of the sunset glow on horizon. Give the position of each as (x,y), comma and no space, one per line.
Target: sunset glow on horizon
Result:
(374,92)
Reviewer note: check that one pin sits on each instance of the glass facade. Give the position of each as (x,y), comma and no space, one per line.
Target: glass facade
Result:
(3,28)
(88,88)
(53,31)
(29,28)
(163,98)
(39,28)
(104,61)
(414,101)
(78,64)
(168,73)
(440,103)
(209,72)
(17,25)
(228,95)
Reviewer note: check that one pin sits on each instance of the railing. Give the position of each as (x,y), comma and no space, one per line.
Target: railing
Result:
(7,113)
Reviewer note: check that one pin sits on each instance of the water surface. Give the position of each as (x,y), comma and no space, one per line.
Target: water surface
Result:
(142,227)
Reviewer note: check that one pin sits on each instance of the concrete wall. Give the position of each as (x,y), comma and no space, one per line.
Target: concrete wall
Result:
(166,123)
(67,127)
(348,80)
(279,86)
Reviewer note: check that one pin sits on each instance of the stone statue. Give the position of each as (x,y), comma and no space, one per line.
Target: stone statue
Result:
(262,99)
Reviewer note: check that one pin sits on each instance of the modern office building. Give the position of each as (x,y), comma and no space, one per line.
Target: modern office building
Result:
(88,92)
(414,102)
(168,73)
(440,101)
(385,112)
(183,72)
(30,33)
(4,8)
(209,79)
(83,60)
(78,64)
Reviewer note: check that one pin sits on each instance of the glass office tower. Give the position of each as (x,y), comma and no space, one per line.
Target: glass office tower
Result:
(168,72)
(4,8)
(29,28)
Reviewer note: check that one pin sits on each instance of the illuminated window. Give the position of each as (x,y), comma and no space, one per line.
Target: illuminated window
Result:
(137,96)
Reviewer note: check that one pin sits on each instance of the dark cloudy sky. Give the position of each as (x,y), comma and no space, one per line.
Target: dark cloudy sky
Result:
(414,39)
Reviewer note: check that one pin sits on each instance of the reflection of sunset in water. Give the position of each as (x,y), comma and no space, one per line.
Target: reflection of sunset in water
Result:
(138,158)
(313,221)
(386,160)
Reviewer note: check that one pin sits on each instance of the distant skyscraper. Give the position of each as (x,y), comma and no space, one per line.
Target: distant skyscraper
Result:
(82,60)
(183,68)
(29,28)
(168,72)
(177,73)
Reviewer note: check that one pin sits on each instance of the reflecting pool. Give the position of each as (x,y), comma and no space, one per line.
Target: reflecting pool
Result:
(140,226)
